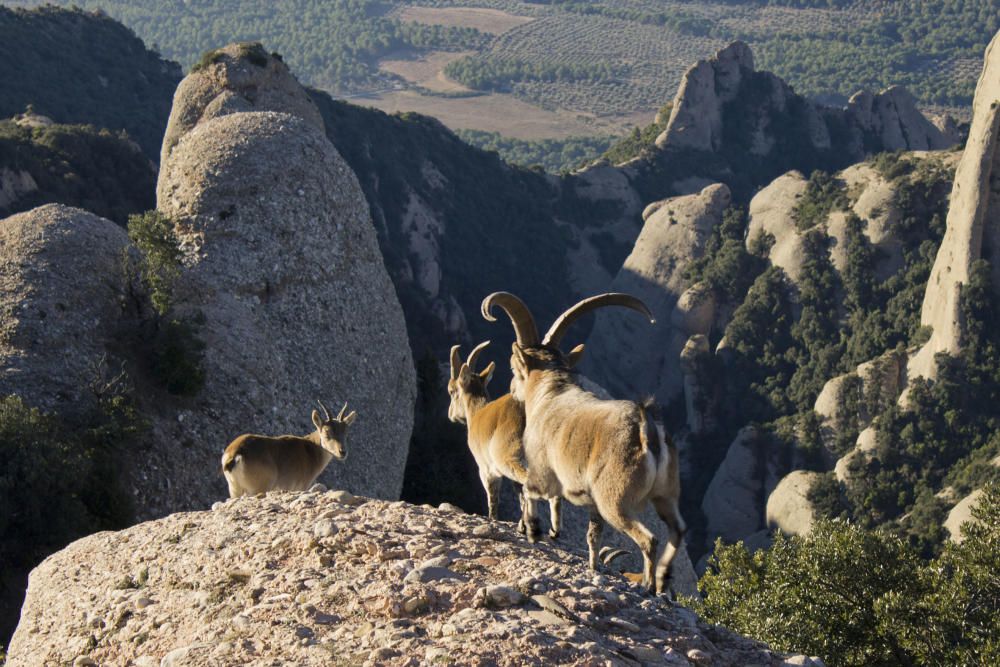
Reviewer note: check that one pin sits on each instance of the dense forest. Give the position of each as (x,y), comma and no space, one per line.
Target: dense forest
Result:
(551,155)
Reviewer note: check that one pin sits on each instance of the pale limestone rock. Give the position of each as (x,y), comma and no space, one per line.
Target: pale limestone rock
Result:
(770,213)
(695,310)
(788,506)
(960,514)
(247,584)
(672,237)
(696,351)
(14,185)
(893,117)
(973,224)
(62,290)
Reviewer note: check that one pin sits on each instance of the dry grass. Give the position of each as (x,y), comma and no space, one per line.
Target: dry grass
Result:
(424,69)
(491,21)
(504,114)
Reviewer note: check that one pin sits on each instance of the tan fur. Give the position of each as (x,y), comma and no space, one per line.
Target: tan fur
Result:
(604,455)
(494,435)
(255,464)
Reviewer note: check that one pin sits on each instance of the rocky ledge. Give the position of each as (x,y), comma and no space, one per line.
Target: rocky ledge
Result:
(308,578)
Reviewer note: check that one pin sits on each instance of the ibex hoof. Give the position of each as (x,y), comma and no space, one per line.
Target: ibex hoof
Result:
(534,531)
(554,534)
(520,527)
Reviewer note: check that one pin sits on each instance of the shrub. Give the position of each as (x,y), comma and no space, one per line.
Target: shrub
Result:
(823,194)
(153,233)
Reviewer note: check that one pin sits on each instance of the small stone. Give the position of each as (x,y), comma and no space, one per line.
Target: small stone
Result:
(483,530)
(498,596)
(624,624)
(146,661)
(317,488)
(380,655)
(698,656)
(440,561)
(448,507)
(546,617)
(241,622)
(646,654)
(416,604)
(218,505)
(425,574)
(142,603)
(84,661)
(343,497)
(363,629)
(325,528)
(487,561)
(303,632)
(436,654)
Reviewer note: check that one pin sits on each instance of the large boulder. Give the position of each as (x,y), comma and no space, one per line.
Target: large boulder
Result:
(62,288)
(625,354)
(282,263)
(788,507)
(771,214)
(893,117)
(307,579)
(734,501)
(961,514)
(973,223)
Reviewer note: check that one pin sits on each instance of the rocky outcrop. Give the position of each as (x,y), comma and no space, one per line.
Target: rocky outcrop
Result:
(282,264)
(62,288)
(714,92)
(674,235)
(771,213)
(305,578)
(734,500)
(973,223)
(892,116)
(960,514)
(14,185)
(696,117)
(236,78)
(788,506)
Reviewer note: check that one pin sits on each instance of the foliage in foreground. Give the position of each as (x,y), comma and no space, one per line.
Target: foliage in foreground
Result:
(858,597)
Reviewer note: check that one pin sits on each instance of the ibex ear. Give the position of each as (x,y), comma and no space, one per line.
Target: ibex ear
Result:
(518,354)
(574,356)
(464,374)
(487,374)
(349,419)
(317,422)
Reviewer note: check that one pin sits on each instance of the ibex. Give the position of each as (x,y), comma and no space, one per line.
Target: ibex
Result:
(259,463)
(602,454)
(495,429)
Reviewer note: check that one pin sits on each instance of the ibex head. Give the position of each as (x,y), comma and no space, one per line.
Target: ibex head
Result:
(333,431)
(466,381)
(533,353)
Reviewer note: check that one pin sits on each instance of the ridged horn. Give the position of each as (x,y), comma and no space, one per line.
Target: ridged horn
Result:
(325,411)
(520,316)
(471,362)
(456,362)
(340,417)
(561,325)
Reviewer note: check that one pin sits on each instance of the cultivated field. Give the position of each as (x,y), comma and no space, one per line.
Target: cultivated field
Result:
(504,114)
(483,19)
(424,69)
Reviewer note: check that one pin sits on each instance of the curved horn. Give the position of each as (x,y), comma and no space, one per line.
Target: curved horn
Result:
(562,324)
(456,361)
(520,316)
(607,555)
(325,411)
(340,417)
(471,362)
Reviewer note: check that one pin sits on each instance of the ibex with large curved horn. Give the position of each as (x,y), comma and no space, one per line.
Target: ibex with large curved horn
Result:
(259,463)
(495,429)
(601,454)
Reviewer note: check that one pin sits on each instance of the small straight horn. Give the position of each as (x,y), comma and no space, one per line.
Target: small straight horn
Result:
(325,411)
(340,417)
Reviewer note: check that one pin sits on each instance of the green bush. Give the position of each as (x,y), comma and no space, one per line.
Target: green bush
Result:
(172,345)
(860,597)
(823,195)
(61,479)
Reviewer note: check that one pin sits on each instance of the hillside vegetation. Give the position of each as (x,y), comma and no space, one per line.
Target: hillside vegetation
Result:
(83,67)
(77,165)
(605,57)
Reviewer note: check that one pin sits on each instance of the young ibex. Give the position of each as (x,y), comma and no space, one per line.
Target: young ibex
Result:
(602,454)
(259,463)
(495,430)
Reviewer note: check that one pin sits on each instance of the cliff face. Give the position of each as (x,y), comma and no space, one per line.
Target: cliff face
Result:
(309,578)
(282,264)
(973,225)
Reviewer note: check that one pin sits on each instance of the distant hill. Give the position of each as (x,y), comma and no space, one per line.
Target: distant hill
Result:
(84,67)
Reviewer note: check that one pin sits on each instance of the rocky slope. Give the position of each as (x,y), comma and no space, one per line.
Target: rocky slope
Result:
(320,576)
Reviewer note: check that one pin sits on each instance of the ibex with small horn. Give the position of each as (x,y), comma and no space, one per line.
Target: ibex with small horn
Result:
(495,429)
(602,454)
(259,463)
